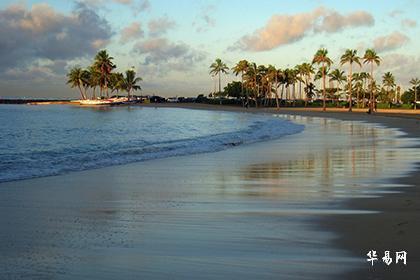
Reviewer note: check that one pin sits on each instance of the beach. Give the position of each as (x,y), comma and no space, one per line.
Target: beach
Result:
(396,226)
(276,209)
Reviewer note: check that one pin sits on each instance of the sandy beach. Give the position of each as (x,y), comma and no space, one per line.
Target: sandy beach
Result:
(294,208)
(397,225)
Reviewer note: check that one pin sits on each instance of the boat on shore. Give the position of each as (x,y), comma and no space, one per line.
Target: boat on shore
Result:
(105,102)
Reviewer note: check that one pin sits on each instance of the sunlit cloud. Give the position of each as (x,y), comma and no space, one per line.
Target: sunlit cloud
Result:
(132,32)
(410,23)
(160,26)
(389,42)
(286,29)
(43,33)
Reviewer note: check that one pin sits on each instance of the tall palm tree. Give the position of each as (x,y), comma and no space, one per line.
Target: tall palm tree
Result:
(262,82)
(116,82)
(300,73)
(358,79)
(240,68)
(275,76)
(86,81)
(75,79)
(416,83)
(251,76)
(371,58)
(94,79)
(307,70)
(321,58)
(388,81)
(218,67)
(350,57)
(130,82)
(103,63)
(364,77)
(337,76)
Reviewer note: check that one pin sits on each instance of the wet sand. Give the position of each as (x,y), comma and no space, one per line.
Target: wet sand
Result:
(306,206)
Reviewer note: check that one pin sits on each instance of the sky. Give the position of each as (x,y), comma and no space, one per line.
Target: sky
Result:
(171,44)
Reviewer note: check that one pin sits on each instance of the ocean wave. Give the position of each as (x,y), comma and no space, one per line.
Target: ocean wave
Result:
(59,159)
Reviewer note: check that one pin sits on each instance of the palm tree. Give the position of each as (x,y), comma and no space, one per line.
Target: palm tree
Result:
(251,76)
(94,79)
(116,82)
(350,57)
(130,82)
(416,83)
(321,58)
(364,77)
(103,63)
(240,68)
(307,71)
(217,68)
(86,81)
(371,58)
(75,79)
(358,79)
(388,81)
(337,76)
(276,76)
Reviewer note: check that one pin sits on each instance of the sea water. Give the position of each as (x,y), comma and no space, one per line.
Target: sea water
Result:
(37,141)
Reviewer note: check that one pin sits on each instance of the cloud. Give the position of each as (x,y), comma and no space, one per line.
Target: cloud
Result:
(132,32)
(125,2)
(285,29)
(395,13)
(99,3)
(392,41)
(402,66)
(42,33)
(141,6)
(165,56)
(205,19)
(409,23)
(160,26)
(332,21)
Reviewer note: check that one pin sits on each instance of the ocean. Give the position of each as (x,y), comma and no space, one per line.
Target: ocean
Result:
(37,141)
(229,210)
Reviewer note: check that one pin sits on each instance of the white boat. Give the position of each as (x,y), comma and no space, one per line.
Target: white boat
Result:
(95,102)
(102,102)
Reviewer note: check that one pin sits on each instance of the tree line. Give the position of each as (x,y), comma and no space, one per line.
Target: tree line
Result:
(261,84)
(100,75)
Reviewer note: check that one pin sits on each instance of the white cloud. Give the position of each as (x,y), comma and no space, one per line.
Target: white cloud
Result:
(392,41)
(286,29)
(132,32)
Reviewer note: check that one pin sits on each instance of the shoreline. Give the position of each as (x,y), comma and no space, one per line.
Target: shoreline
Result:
(395,228)
(397,225)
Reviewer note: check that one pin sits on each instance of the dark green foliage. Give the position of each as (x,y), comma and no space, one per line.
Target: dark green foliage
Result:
(233,89)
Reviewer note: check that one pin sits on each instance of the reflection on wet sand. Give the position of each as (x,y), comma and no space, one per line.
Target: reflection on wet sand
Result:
(242,213)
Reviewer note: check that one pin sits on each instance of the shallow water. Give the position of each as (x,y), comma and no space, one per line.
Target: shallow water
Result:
(37,141)
(242,213)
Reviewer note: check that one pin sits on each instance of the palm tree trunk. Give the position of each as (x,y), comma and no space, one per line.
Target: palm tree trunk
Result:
(324,107)
(350,88)
(220,85)
(277,95)
(242,87)
(220,89)
(358,97)
(306,93)
(81,92)
(415,97)
(300,89)
(371,88)
(282,92)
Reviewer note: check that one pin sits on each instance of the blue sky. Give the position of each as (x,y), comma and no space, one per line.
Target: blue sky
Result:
(172,43)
